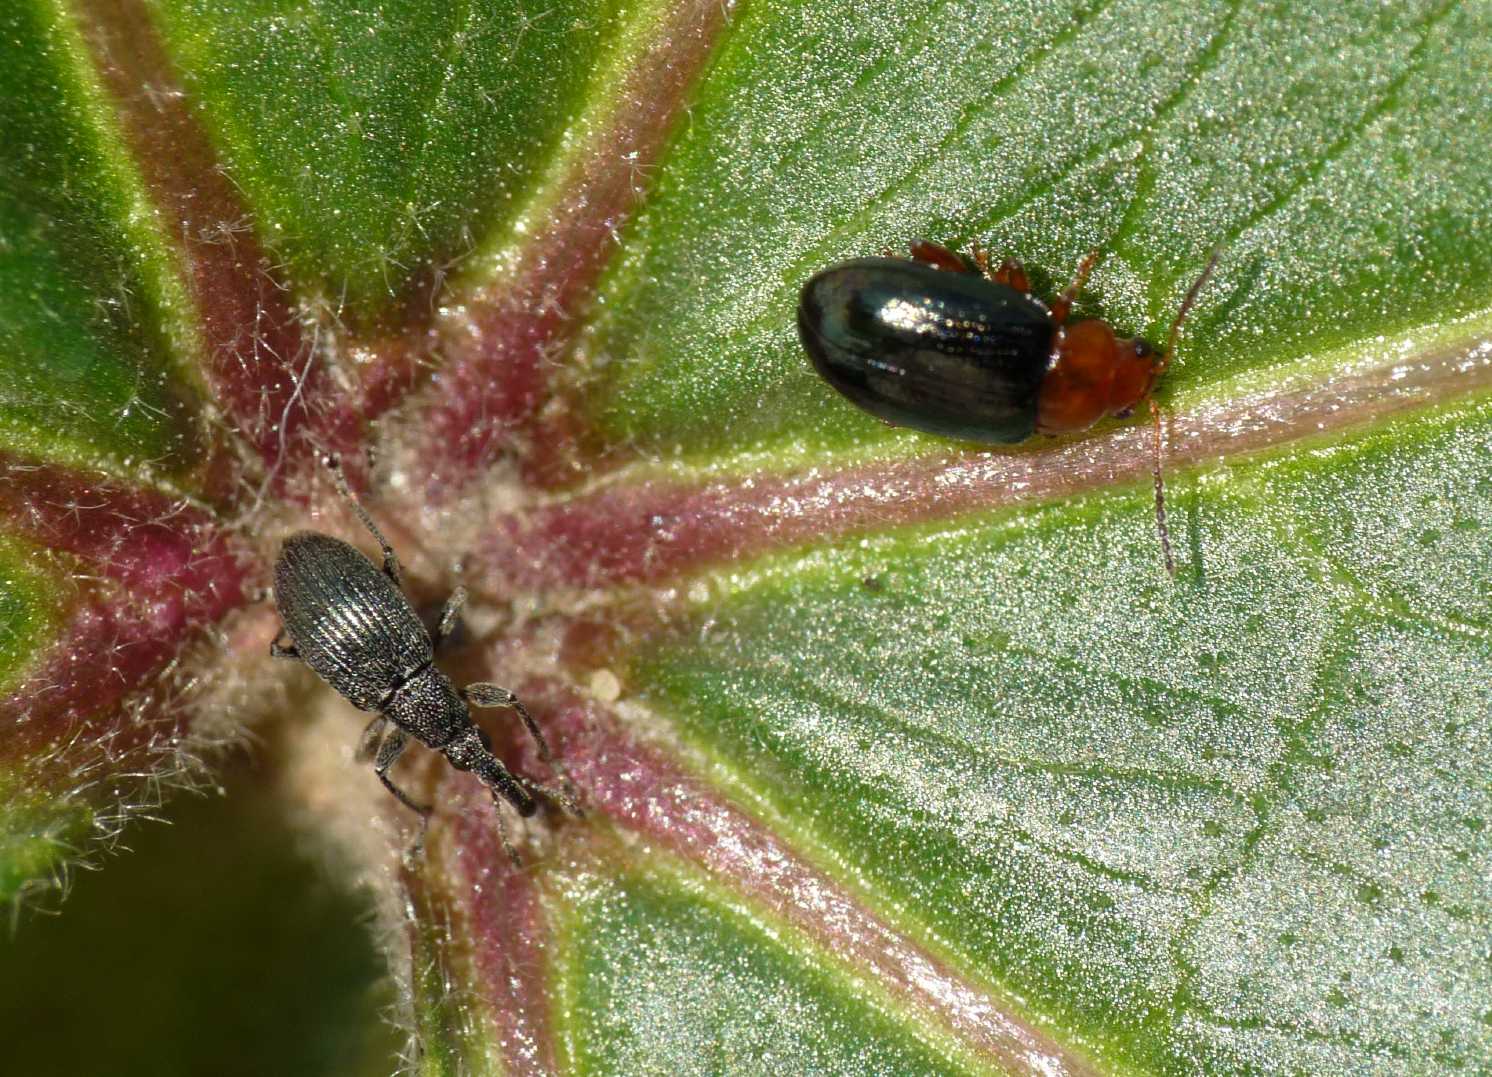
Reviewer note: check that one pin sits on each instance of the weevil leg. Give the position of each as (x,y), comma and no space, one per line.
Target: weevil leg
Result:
(486,694)
(1062,305)
(502,830)
(390,558)
(388,754)
(565,797)
(279,650)
(448,616)
(367,744)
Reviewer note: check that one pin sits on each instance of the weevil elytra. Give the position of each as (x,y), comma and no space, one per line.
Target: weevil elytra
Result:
(350,621)
(943,344)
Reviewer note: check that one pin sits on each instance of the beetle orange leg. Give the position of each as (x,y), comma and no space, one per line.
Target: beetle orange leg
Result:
(1062,305)
(1186,306)
(939,256)
(979,256)
(1009,273)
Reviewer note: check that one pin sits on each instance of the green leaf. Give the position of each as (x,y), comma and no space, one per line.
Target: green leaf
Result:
(151,970)
(1201,821)
(398,135)
(91,313)
(25,612)
(660,977)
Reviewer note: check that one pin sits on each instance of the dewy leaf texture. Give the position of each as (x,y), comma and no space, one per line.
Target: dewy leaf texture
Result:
(1095,793)
(87,360)
(399,134)
(897,756)
(679,982)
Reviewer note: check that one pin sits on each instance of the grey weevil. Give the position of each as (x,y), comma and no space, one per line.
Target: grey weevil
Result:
(350,621)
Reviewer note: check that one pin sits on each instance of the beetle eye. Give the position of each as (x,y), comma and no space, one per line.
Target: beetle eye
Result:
(485,739)
(1143,348)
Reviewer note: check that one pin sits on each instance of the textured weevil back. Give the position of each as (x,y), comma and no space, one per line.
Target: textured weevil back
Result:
(347,619)
(429,707)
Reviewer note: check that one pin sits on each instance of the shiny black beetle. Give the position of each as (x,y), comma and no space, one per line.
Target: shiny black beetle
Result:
(351,623)
(945,344)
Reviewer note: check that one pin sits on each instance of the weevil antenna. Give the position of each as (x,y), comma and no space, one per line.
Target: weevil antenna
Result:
(1160,495)
(1186,305)
(339,479)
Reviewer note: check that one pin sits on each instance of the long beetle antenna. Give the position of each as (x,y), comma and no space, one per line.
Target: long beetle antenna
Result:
(1186,306)
(1160,495)
(1160,486)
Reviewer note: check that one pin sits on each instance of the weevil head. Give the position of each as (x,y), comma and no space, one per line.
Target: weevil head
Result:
(473,751)
(469,751)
